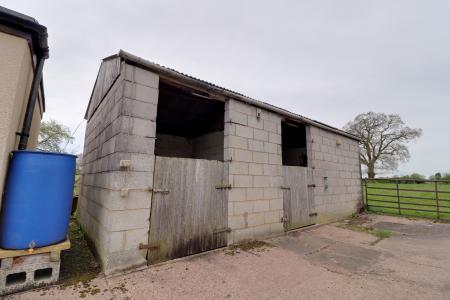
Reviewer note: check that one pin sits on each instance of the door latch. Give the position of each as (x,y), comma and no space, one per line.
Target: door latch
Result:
(161,191)
(284,219)
(222,230)
(313,214)
(285,188)
(223,187)
(311,185)
(148,247)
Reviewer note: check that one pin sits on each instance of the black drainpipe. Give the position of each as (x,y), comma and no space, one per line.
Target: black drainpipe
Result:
(35,85)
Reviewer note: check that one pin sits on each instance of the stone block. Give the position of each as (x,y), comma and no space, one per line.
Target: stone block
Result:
(260,135)
(254,145)
(255,219)
(272,216)
(271,126)
(143,127)
(261,205)
(262,181)
(141,92)
(272,193)
(30,271)
(236,222)
(271,148)
(254,122)
(242,155)
(244,131)
(243,207)
(237,118)
(275,138)
(276,204)
(128,219)
(134,144)
(237,194)
(256,169)
(243,181)
(238,168)
(243,234)
(141,76)
(262,231)
(260,157)
(276,228)
(123,260)
(232,141)
(275,159)
(135,237)
(255,194)
(244,108)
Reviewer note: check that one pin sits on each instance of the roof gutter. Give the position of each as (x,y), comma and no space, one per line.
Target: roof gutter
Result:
(227,93)
(39,47)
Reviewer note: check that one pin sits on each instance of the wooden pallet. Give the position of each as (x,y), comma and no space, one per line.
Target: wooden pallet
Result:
(57,248)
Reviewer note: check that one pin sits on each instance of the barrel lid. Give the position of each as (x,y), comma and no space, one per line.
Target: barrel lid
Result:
(42,152)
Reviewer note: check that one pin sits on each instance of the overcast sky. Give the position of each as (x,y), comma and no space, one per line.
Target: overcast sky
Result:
(326,59)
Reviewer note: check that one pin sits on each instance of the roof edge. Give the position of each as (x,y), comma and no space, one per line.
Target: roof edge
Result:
(126,56)
(27,24)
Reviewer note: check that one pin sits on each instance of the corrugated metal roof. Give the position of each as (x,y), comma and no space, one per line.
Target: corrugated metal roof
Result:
(169,72)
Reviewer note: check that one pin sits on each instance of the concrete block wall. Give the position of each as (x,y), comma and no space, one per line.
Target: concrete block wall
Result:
(173,146)
(337,158)
(207,146)
(253,149)
(115,201)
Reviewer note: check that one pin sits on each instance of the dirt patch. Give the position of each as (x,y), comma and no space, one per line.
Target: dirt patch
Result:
(248,246)
(78,265)
(360,223)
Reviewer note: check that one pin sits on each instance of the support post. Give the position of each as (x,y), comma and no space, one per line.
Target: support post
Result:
(437,199)
(398,199)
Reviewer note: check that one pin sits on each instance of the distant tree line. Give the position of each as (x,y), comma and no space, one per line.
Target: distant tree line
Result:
(417,178)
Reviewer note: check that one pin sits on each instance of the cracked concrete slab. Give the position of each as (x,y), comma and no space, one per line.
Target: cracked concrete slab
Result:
(323,262)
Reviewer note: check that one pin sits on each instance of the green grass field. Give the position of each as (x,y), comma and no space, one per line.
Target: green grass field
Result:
(382,197)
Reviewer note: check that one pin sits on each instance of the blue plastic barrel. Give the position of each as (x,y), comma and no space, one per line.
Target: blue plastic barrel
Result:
(38,198)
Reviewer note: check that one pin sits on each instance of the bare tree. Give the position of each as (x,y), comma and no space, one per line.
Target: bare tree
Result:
(383,139)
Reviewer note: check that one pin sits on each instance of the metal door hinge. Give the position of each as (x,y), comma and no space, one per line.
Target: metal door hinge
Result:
(285,188)
(311,185)
(313,214)
(148,247)
(222,230)
(223,186)
(284,219)
(161,191)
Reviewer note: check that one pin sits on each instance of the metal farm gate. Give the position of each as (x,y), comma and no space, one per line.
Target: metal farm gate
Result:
(298,197)
(189,208)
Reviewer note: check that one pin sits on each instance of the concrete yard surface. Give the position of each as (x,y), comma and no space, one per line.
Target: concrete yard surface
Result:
(344,260)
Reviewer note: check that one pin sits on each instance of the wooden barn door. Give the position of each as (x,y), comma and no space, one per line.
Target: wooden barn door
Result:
(189,208)
(298,197)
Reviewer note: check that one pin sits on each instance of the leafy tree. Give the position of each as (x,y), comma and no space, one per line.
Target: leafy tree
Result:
(383,138)
(417,176)
(54,137)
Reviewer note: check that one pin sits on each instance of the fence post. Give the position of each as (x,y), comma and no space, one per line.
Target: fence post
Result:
(437,199)
(365,192)
(398,198)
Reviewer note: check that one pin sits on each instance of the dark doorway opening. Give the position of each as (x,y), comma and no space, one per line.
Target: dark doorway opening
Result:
(189,124)
(294,148)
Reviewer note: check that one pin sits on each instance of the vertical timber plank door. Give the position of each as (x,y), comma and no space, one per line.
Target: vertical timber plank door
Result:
(189,209)
(297,198)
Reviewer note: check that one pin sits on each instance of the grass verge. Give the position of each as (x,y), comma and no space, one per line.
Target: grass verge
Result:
(78,265)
